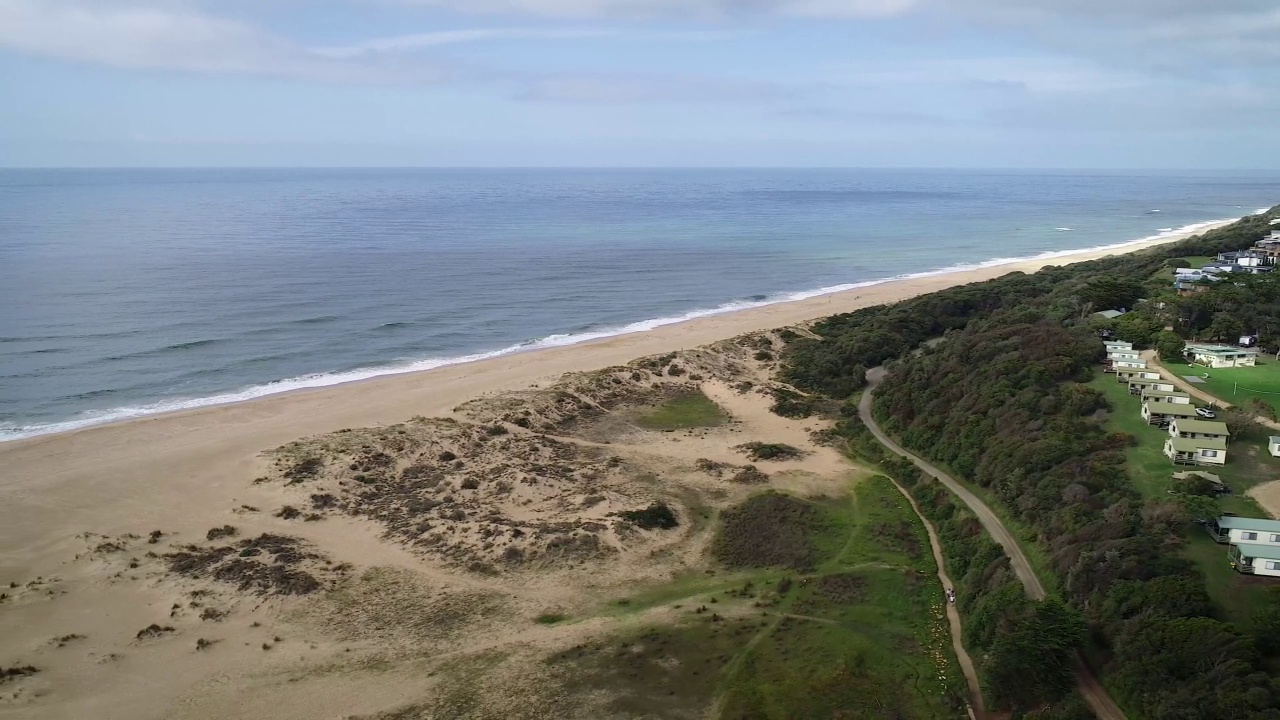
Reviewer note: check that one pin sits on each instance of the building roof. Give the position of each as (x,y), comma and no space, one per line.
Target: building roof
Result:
(1164,408)
(1274,440)
(1232,522)
(1258,550)
(1219,350)
(1144,381)
(1209,427)
(1188,445)
(1164,393)
(1201,473)
(1110,314)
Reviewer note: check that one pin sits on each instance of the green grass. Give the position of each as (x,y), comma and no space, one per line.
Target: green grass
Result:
(1248,462)
(550,618)
(1149,468)
(1152,472)
(1236,385)
(862,633)
(690,410)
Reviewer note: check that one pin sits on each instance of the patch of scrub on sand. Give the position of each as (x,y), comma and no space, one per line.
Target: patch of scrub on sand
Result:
(482,498)
(774,529)
(660,672)
(398,612)
(266,565)
(508,685)
(690,409)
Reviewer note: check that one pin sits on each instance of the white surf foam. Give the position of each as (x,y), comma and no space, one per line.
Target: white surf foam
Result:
(99,417)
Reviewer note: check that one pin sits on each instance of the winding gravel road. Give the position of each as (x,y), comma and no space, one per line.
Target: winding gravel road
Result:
(1092,691)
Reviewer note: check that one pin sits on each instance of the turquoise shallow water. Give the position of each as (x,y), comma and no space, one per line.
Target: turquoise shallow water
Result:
(129,292)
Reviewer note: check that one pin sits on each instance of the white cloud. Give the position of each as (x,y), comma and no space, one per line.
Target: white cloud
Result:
(417,41)
(176,38)
(629,89)
(676,8)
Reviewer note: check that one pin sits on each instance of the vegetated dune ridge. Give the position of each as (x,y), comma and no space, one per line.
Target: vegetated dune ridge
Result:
(297,556)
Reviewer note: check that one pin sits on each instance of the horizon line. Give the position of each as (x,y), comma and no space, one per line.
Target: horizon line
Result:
(642,167)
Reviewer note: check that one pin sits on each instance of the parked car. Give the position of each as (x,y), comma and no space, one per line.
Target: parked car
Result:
(1205,412)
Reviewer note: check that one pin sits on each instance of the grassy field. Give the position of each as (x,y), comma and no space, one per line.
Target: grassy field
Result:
(691,410)
(1152,472)
(843,617)
(1237,385)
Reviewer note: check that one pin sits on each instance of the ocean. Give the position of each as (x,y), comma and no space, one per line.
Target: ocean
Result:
(132,292)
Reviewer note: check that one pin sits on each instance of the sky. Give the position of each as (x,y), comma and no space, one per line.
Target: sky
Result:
(853,83)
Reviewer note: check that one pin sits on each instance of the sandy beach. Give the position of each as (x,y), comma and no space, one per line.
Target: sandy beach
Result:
(187,471)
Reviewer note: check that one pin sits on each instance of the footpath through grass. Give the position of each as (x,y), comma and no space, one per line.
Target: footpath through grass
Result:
(1152,473)
(828,607)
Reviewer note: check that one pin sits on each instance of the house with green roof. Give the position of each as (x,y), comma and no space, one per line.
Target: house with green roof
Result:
(1138,384)
(1255,559)
(1233,529)
(1124,375)
(1159,413)
(1169,396)
(1192,429)
(1204,451)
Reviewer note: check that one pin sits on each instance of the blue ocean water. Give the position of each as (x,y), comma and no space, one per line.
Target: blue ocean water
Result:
(129,292)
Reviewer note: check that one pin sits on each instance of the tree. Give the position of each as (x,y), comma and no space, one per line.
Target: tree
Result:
(1200,507)
(1138,327)
(1225,326)
(1169,345)
(1112,292)
(1261,408)
(1033,662)
(1265,623)
(1240,423)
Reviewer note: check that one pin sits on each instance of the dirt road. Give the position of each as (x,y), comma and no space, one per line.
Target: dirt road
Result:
(953,617)
(1089,687)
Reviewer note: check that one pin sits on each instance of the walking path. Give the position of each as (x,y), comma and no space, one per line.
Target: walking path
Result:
(953,617)
(1090,689)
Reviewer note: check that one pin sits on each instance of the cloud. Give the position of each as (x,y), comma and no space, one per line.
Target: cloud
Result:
(177,38)
(417,41)
(676,8)
(618,89)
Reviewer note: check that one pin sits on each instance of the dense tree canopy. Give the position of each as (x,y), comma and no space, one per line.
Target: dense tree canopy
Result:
(1000,402)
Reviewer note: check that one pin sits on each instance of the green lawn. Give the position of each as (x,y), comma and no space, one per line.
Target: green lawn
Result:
(1248,462)
(1197,261)
(1151,473)
(690,410)
(1237,385)
(862,633)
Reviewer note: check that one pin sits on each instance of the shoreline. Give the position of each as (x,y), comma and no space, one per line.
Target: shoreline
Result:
(322,380)
(77,509)
(113,476)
